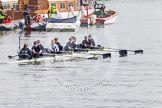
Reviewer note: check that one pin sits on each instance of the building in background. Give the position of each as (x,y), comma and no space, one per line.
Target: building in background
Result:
(9,4)
(14,8)
(61,5)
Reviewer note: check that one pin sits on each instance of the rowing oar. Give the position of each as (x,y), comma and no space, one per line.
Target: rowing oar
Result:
(12,56)
(124,52)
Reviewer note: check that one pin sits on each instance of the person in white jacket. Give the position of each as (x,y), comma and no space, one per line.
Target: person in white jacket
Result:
(53,48)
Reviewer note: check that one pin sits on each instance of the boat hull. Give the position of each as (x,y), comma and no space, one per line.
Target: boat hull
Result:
(88,20)
(57,57)
(91,20)
(8,26)
(34,26)
(107,20)
(69,56)
(62,24)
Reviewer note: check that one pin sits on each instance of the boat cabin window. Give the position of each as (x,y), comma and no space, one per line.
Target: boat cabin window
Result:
(84,2)
(62,5)
(71,4)
(6,6)
(15,5)
(53,4)
(78,3)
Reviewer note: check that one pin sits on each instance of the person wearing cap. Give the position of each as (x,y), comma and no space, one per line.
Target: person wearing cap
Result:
(36,50)
(91,40)
(25,52)
(58,44)
(53,48)
(26,14)
(52,11)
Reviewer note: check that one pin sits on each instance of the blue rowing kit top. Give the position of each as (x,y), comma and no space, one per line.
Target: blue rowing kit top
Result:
(36,49)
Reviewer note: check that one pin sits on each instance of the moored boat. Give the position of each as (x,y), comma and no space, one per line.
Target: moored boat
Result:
(8,24)
(62,24)
(109,17)
(99,16)
(57,22)
(33,26)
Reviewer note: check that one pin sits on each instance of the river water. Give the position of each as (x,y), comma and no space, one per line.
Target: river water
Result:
(129,82)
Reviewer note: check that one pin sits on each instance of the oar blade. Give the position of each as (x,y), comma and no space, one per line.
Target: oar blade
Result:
(138,51)
(106,55)
(10,56)
(123,53)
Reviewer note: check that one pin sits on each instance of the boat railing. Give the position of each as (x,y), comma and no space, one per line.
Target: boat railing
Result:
(56,16)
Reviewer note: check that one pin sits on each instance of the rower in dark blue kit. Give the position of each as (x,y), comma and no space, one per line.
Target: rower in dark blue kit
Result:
(86,43)
(25,52)
(36,50)
(91,40)
(40,45)
(58,44)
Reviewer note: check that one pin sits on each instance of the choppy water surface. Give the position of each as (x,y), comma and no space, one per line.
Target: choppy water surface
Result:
(130,82)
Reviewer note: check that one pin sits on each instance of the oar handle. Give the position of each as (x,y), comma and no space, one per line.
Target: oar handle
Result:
(12,56)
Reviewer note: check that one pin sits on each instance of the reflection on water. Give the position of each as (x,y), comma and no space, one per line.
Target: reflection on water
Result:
(128,82)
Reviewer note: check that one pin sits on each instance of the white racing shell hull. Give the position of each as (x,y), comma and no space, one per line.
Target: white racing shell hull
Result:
(62,57)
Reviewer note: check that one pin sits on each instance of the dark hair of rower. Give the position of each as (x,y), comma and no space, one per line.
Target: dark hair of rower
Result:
(35,42)
(56,39)
(85,37)
(25,46)
(89,36)
(73,37)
